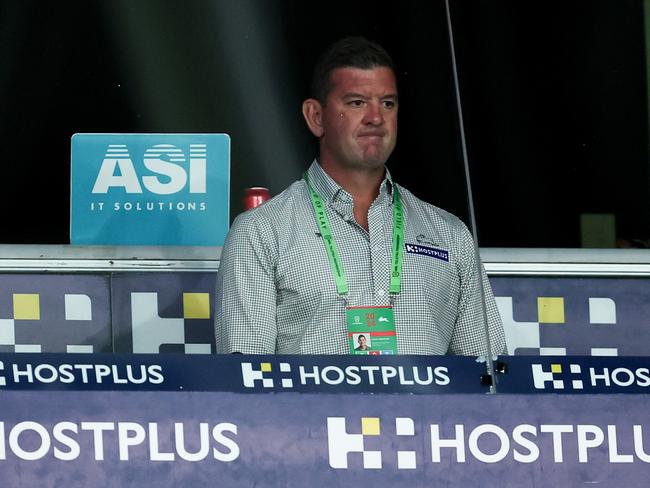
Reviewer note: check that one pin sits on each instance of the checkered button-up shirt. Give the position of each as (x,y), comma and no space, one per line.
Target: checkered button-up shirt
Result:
(276,292)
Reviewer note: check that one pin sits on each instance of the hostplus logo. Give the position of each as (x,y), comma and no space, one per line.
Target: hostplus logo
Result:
(555,378)
(341,443)
(357,447)
(558,378)
(63,321)
(254,376)
(270,375)
(37,373)
(150,331)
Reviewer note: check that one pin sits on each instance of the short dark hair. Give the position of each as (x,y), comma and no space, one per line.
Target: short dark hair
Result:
(350,52)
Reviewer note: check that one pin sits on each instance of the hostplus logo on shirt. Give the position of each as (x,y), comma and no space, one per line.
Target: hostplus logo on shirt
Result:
(427,251)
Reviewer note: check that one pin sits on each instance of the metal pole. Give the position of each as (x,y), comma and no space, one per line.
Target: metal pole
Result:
(470,199)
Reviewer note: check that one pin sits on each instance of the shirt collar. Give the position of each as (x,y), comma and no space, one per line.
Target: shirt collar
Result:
(331,191)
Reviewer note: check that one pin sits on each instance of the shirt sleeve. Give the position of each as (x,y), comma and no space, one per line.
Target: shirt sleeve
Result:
(246,289)
(469,335)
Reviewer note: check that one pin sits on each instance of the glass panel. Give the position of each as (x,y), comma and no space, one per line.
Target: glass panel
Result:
(555,103)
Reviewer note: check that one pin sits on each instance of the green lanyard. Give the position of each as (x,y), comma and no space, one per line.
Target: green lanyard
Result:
(320,211)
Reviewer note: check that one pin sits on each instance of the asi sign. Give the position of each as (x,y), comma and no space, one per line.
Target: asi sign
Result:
(150,189)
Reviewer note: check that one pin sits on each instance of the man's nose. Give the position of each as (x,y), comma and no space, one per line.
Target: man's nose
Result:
(374,114)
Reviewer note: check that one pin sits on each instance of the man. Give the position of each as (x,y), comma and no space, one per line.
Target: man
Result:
(345,242)
(363,343)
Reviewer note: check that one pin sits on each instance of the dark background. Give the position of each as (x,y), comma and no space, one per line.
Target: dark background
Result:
(554,98)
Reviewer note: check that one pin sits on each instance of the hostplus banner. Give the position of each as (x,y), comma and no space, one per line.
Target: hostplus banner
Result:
(242,373)
(161,439)
(574,374)
(150,189)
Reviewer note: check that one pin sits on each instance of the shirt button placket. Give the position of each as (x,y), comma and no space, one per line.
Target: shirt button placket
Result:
(379,255)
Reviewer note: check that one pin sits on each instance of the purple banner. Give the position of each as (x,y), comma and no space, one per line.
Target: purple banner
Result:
(55,313)
(558,316)
(196,438)
(163,312)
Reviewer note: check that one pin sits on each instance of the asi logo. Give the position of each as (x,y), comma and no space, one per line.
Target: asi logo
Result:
(150,189)
(341,443)
(252,376)
(166,163)
(555,377)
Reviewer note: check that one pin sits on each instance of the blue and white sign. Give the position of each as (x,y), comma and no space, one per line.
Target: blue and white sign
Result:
(150,189)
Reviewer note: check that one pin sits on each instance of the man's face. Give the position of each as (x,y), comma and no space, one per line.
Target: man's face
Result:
(362,341)
(359,118)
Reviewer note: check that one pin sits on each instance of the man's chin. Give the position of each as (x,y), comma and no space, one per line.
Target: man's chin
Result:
(370,164)
(376,153)
(375,161)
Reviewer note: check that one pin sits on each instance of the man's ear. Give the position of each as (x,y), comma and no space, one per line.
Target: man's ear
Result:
(313,113)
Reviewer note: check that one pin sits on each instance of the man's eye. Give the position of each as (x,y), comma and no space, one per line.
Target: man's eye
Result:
(356,103)
(389,104)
